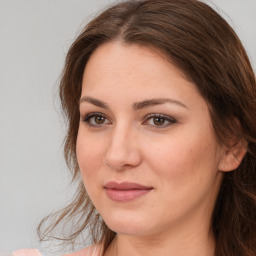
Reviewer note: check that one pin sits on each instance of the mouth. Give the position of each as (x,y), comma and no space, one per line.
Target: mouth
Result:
(125,191)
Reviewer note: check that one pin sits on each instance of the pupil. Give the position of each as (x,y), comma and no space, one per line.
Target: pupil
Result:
(99,119)
(158,121)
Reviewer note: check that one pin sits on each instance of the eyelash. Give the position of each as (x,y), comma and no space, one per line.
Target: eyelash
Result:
(166,119)
(90,116)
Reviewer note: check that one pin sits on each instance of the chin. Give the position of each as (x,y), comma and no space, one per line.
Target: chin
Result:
(127,225)
(129,230)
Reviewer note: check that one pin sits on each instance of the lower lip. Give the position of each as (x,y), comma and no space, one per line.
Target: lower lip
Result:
(125,195)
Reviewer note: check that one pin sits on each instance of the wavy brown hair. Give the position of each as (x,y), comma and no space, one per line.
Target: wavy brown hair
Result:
(198,41)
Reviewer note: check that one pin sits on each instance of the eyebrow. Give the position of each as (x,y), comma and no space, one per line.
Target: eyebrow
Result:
(154,102)
(94,101)
(137,105)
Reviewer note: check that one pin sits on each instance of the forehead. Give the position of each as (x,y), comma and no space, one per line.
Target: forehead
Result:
(117,60)
(117,70)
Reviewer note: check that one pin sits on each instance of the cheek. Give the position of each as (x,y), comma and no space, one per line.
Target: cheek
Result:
(184,157)
(185,169)
(89,156)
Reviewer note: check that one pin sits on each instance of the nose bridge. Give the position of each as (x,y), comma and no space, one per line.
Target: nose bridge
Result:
(122,151)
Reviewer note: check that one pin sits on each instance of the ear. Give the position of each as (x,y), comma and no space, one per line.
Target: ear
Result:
(233,155)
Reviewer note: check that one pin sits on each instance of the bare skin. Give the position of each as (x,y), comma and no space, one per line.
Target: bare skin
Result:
(143,122)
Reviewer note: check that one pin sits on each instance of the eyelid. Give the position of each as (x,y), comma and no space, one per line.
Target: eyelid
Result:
(167,118)
(90,115)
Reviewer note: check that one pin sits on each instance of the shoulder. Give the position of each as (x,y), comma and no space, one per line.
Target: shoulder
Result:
(93,250)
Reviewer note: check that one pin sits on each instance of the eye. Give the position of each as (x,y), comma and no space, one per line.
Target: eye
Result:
(96,119)
(159,120)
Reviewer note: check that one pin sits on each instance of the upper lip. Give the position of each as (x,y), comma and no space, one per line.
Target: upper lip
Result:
(125,186)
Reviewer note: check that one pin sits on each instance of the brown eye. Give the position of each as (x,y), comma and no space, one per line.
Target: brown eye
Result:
(159,121)
(99,119)
(96,120)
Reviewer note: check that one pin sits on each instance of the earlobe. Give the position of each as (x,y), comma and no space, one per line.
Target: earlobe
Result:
(233,156)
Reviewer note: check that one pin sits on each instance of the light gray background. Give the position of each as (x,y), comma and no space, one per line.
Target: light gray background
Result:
(34,38)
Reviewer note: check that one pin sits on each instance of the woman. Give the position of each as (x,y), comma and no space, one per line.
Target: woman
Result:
(161,100)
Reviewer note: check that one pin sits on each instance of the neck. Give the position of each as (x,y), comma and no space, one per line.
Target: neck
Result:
(189,238)
(179,245)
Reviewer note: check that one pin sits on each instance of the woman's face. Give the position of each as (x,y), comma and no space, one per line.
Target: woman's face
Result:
(146,148)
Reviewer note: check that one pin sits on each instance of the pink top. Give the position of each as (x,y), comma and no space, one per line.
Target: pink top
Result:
(27,252)
(94,250)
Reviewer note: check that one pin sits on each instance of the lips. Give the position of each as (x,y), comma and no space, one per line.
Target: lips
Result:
(125,191)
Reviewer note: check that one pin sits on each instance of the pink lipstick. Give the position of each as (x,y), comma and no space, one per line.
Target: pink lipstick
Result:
(125,191)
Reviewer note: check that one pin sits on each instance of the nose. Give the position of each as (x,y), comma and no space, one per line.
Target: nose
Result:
(123,150)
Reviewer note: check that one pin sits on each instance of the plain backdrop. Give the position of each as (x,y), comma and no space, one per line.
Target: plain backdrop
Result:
(34,38)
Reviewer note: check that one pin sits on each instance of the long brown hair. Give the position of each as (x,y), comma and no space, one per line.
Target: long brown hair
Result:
(200,43)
